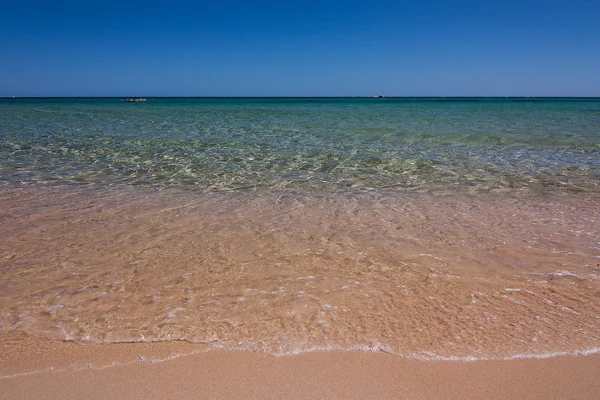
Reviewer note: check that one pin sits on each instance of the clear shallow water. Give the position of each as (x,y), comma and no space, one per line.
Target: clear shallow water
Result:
(295,225)
(423,277)
(306,145)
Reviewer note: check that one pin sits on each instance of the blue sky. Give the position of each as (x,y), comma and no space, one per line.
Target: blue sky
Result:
(308,48)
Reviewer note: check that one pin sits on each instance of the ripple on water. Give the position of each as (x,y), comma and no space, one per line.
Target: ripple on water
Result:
(421,277)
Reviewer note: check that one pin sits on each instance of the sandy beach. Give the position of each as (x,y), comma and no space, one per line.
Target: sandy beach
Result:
(132,371)
(300,248)
(84,315)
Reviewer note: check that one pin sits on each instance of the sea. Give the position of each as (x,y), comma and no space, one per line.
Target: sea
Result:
(428,228)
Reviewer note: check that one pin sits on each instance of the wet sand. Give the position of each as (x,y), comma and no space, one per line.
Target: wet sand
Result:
(137,294)
(430,278)
(219,374)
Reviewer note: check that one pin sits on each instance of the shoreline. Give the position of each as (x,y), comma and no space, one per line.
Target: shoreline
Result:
(249,375)
(485,278)
(300,249)
(445,277)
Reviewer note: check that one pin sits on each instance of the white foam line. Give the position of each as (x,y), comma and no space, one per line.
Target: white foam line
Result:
(421,356)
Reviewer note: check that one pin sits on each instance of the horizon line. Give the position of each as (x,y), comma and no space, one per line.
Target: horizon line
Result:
(301,97)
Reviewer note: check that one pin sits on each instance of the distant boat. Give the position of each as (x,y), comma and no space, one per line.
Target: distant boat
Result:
(381,96)
(135,100)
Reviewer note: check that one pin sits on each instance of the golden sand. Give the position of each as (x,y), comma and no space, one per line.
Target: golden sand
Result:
(426,278)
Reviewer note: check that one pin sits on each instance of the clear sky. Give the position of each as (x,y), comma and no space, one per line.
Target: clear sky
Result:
(300,48)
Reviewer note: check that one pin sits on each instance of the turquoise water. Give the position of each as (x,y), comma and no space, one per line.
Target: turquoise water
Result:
(430,145)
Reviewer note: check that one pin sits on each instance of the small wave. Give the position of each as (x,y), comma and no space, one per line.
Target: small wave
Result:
(374,348)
